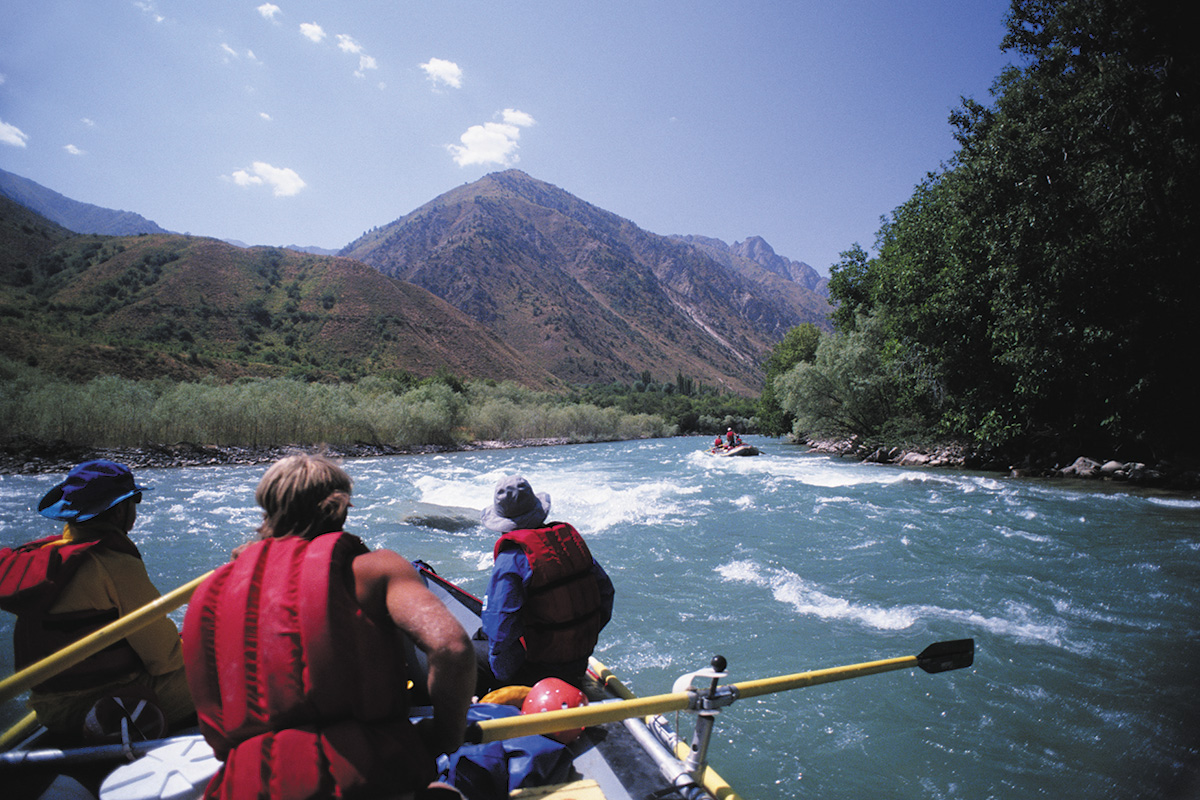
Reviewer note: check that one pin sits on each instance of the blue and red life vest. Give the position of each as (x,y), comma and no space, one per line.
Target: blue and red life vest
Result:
(32,577)
(562,613)
(297,689)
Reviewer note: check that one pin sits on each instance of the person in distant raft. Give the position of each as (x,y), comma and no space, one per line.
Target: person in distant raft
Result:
(64,587)
(295,658)
(548,598)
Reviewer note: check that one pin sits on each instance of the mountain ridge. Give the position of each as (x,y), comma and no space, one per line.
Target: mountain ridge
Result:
(72,214)
(527,258)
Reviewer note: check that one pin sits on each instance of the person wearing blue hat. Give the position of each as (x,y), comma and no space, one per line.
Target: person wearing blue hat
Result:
(548,598)
(64,587)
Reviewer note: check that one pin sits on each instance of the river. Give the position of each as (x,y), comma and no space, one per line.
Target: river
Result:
(1083,600)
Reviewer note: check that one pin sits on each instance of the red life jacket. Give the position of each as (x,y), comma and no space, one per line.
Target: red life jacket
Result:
(32,577)
(296,688)
(562,612)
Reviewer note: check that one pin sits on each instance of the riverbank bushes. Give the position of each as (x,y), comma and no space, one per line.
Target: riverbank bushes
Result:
(117,412)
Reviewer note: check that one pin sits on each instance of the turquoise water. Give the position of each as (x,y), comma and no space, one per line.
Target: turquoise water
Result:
(1083,601)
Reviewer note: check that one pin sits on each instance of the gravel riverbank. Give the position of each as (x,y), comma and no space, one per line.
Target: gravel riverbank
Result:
(27,456)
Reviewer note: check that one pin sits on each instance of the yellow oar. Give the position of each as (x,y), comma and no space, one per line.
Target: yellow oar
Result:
(72,654)
(938,657)
(22,729)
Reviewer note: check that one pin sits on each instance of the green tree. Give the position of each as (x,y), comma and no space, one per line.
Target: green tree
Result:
(1040,287)
(846,389)
(850,285)
(798,345)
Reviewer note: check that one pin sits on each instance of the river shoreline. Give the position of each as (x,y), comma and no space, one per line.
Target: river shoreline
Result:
(957,455)
(27,456)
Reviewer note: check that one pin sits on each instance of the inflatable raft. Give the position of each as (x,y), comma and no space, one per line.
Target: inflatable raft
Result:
(739,450)
(623,748)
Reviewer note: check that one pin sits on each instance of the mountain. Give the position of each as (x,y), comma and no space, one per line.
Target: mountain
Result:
(521,279)
(314,250)
(72,214)
(588,295)
(186,307)
(757,250)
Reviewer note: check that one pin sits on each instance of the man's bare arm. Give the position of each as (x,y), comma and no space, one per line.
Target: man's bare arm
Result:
(386,583)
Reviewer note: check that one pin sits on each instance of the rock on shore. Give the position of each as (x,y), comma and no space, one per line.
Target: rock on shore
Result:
(960,456)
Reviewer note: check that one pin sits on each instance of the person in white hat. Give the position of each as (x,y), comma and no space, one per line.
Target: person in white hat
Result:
(548,598)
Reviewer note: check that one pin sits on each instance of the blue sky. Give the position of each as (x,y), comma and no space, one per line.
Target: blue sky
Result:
(309,122)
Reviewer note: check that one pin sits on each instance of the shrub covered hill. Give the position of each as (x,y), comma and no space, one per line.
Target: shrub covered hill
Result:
(186,307)
(591,297)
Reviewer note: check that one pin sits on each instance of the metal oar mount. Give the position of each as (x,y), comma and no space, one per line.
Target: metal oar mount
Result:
(939,657)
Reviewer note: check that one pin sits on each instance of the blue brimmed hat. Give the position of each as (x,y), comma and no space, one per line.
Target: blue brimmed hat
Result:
(515,506)
(90,489)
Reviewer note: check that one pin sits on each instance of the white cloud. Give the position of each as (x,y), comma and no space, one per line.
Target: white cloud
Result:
(265,115)
(229,51)
(73,150)
(283,181)
(439,71)
(149,8)
(268,11)
(88,122)
(365,63)
(492,142)
(514,117)
(312,31)
(347,44)
(11,134)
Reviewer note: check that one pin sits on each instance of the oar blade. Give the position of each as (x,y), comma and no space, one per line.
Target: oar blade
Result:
(945,656)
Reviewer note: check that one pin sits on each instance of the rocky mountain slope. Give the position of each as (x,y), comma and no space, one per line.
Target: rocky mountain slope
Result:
(586,294)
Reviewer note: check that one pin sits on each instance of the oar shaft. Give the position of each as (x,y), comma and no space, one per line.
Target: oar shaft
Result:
(94,642)
(782,683)
(22,729)
(493,730)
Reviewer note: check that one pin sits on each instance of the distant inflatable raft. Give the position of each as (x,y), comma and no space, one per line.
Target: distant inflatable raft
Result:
(740,450)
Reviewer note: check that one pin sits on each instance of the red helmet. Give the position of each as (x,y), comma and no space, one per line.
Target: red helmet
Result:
(552,694)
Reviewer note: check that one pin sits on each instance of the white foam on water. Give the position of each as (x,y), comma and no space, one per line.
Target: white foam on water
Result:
(458,488)
(807,599)
(1018,621)
(1068,608)
(819,472)
(1009,533)
(1170,502)
(481,559)
(864,545)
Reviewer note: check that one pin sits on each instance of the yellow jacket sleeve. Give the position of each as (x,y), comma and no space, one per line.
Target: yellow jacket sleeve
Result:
(108,579)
